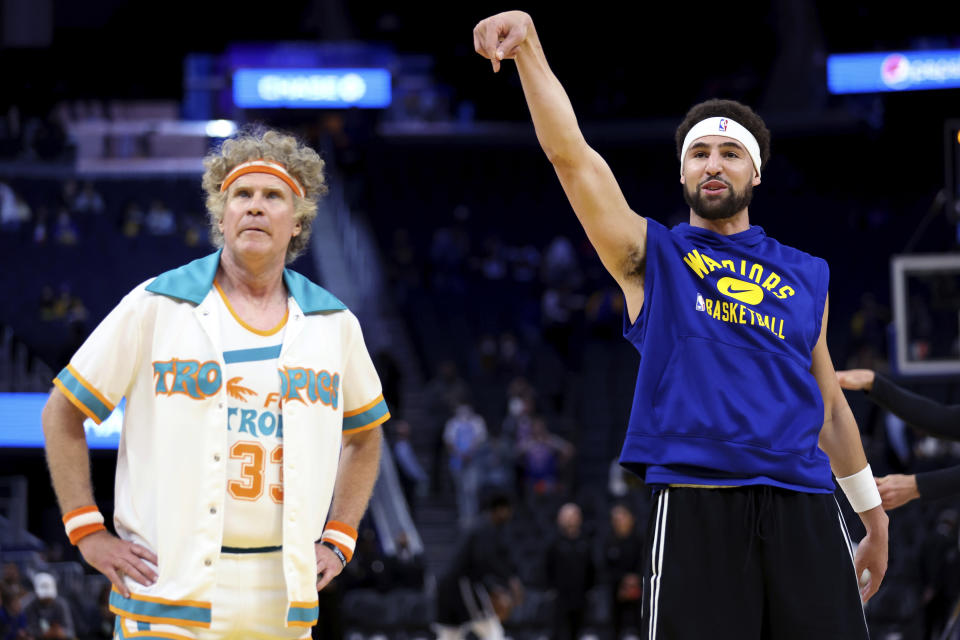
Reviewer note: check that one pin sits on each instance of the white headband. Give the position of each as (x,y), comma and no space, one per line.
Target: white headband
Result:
(728,128)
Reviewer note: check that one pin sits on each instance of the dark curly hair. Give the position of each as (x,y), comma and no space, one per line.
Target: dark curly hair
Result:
(734,110)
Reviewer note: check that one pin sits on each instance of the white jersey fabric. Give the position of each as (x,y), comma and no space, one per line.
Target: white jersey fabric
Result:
(162,348)
(240,613)
(253,509)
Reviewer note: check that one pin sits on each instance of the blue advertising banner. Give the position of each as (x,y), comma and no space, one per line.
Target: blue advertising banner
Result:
(22,429)
(907,71)
(311,88)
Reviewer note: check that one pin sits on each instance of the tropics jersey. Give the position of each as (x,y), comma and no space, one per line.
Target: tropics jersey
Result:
(163,348)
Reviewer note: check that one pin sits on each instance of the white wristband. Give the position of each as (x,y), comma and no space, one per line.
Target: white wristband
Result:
(861,490)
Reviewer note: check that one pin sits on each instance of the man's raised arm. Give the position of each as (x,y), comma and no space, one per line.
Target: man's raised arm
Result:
(616,232)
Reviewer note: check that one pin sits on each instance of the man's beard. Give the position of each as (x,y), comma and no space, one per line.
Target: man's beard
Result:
(721,208)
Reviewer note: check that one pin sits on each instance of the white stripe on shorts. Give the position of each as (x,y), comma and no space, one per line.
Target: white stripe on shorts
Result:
(656,567)
(846,536)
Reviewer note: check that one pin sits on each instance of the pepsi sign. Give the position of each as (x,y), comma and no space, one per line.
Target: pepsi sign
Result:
(893,71)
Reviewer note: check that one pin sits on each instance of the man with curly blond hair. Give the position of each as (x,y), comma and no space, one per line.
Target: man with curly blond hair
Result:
(251,433)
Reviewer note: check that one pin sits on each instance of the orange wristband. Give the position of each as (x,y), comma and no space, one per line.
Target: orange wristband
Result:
(343,536)
(81,522)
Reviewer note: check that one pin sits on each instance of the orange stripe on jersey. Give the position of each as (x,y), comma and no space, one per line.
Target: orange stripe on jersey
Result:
(303,605)
(79,512)
(92,389)
(142,618)
(185,603)
(369,405)
(75,401)
(259,332)
(158,634)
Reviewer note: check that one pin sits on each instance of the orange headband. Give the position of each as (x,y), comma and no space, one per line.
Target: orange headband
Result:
(263,166)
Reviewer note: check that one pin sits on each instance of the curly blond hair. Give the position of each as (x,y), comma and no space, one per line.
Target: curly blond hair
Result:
(251,143)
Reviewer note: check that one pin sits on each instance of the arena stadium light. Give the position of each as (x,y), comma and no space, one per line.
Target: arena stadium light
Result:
(893,71)
(220,128)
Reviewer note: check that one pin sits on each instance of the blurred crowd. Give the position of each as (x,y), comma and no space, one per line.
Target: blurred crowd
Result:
(35,607)
(527,377)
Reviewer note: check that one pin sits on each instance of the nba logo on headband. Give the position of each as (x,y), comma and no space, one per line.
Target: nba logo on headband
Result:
(720,126)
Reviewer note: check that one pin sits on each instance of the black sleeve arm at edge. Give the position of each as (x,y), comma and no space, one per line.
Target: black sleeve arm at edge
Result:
(935,418)
(942,483)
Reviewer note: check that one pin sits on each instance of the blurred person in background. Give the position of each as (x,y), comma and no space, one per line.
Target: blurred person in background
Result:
(48,615)
(13,620)
(622,567)
(413,479)
(542,455)
(570,572)
(405,569)
(463,435)
(480,588)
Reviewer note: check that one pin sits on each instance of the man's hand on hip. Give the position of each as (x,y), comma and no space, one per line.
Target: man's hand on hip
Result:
(116,558)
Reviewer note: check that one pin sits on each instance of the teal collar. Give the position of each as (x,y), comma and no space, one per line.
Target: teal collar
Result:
(192,283)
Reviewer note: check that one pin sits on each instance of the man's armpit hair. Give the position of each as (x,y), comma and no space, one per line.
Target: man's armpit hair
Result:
(635,264)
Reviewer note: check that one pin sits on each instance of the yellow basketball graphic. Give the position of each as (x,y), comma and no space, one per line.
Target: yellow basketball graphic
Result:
(741,290)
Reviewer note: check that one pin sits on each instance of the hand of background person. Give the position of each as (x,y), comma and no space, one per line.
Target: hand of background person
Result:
(856,379)
(498,37)
(116,558)
(897,490)
(328,565)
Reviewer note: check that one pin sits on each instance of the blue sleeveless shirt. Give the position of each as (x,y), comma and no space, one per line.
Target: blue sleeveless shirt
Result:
(724,394)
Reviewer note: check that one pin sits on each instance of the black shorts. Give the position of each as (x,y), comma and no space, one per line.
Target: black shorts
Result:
(749,563)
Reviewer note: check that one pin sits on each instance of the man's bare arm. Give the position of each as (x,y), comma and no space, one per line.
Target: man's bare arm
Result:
(616,232)
(68,458)
(356,477)
(840,439)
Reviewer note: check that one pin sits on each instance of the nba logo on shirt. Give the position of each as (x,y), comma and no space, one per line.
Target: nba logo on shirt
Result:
(723,124)
(700,305)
